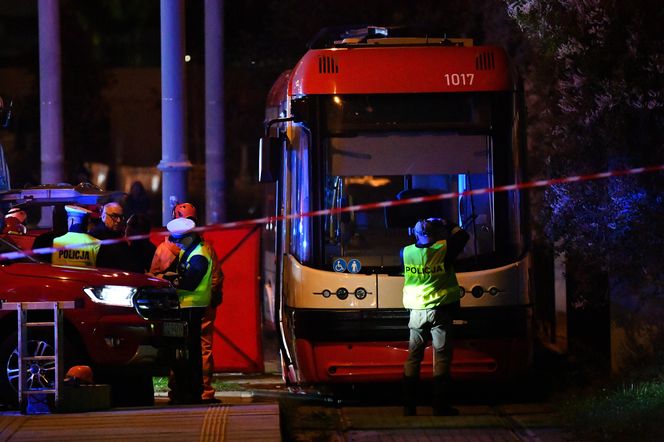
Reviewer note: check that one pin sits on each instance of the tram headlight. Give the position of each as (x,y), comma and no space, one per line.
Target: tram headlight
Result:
(477,291)
(326,293)
(342,293)
(462,292)
(360,293)
(493,291)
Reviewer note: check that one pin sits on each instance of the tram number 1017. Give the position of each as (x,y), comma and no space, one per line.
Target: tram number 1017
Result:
(459,79)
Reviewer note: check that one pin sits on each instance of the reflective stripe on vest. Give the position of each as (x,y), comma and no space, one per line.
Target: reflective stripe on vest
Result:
(84,254)
(200,296)
(427,284)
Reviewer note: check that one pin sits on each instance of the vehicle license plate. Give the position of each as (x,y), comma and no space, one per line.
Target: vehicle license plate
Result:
(174,329)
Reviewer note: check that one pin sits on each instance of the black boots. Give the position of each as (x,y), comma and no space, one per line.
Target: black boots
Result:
(441,392)
(410,395)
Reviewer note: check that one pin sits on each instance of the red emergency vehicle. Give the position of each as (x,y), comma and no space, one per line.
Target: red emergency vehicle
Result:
(127,326)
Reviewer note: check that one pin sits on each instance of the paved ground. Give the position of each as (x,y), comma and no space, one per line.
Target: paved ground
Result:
(261,408)
(259,422)
(240,419)
(532,422)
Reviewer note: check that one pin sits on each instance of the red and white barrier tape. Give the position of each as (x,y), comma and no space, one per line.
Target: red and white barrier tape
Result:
(365,207)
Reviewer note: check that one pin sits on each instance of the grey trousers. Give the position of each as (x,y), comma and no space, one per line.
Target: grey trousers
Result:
(434,324)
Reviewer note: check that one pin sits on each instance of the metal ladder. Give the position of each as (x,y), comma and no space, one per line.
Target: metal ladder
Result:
(25,361)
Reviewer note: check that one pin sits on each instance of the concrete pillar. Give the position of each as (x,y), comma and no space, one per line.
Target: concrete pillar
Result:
(50,93)
(215,175)
(174,160)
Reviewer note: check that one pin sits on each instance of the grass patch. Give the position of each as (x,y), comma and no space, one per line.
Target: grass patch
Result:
(161,385)
(227,386)
(629,411)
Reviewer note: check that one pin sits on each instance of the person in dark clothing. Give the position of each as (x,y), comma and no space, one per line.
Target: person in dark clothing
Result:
(137,201)
(431,293)
(140,250)
(112,222)
(117,254)
(59,228)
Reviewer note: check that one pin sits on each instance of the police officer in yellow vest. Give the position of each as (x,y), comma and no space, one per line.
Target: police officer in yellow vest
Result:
(165,257)
(194,286)
(81,249)
(431,293)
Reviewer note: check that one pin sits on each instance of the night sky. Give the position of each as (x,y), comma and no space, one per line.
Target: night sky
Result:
(105,43)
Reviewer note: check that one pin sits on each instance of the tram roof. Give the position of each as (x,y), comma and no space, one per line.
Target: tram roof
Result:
(378,60)
(368,35)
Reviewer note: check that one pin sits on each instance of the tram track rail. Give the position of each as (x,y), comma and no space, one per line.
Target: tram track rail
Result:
(314,415)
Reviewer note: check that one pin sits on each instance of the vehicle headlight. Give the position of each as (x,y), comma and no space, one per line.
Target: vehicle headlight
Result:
(119,295)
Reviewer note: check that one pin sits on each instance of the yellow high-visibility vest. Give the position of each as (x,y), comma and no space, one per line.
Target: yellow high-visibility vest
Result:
(83,254)
(427,283)
(200,296)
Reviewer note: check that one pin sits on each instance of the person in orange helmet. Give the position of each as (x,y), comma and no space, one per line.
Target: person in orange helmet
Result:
(15,221)
(165,260)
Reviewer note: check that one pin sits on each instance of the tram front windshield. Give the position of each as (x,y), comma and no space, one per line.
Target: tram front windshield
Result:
(377,165)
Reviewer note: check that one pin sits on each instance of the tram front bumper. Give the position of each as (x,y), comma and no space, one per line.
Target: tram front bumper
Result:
(372,345)
(344,362)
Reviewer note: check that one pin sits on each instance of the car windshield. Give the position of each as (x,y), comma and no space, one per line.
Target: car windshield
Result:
(8,247)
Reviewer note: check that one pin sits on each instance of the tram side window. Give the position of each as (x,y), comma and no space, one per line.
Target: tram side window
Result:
(476,214)
(300,200)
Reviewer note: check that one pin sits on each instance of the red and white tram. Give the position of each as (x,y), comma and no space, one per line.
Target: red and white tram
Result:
(373,114)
